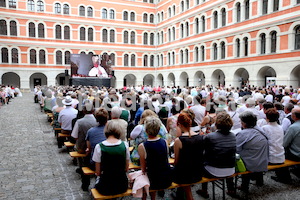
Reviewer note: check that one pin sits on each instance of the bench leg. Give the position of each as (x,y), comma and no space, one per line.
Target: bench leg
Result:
(213,190)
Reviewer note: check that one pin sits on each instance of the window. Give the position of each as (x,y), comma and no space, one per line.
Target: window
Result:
(132,60)
(3,27)
(66,32)
(173,33)
(151,18)
(13,28)
(151,38)
(31,29)
(182,30)
(173,58)
(57,8)
(145,17)
(90,34)
(32,54)
(187,29)
(132,16)
(3,3)
(246,46)
(275,5)
(238,12)
(58,57)
(125,37)
(263,43)
(151,1)
(104,35)
(14,55)
(152,61)
(197,26)
(297,37)
(186,56)
(196,54)
(104,13)
(145,38)
(112,36)
(247,9)
(67,58)
(162,37)
(41,30)
(42,57)
(90,12)
(82,11)
(82,34)
(162,59)
(58,32)
(223,50)
(126,60)
(215,19)
(223,13)
(162,16)
(169,35)
(182,6)
(238,47)
(30,5)
(12,4)
(174,10)
(40,6)
(265,7)
(4,55)
(125,15)
(215,52)
(66,9)
(132,37)
(273,41)
(187,3)
(169,12)
(145,61)
(111,14)
(202,53)
(203,23)
(169,58)
(181,57)
(158,38)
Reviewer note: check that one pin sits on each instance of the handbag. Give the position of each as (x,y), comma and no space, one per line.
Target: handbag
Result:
(239,164)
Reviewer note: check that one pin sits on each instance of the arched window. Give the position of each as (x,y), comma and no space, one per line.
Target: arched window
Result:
(238,47)
(275,5)
(158,17)
(132,16)
(202,53)
(152,61)
(186,56)
(66,9)
(151,18)
(58,32)
(187,29)
(4,55)
(14,55)
(223,50)
(247,9)
(126,60)
(181,56)
(169,35)
(246,46)
(263,43)
(82,11)
(90,12)
(132,60)
(238,12)
(67,58)
(31,29)
(203,23)
(169,58)
(32,54)
(125,15)
(162,37)
(112,36)
(182,30)
(111,14)
(151,38)
(57,8)
(104,35)
(90,34)
(173,58)
(145,60)
(42,57)
(174,9)
(297,37)
(82,34)
(145,17)
(112,58)
(162,60)
(162,16)
(169,12)
(30,5)
(196,54)
(265,7)
(66,32)
(173,33)
(215,52)
(40,6)
(132,37)
(182,6)
(104,13)
(197,26)
(145,38)
(187,3)
(3,3)
(58,57)
(273,41)
(215,17)
(125,37)
(3,27)
(11,4)
(158,38)
(223,13)
(41,30)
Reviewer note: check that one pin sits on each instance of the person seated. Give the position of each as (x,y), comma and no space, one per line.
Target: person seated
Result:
(112,161)
(154,157)
(188,148)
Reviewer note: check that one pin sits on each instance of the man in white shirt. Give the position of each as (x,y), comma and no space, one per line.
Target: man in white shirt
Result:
(287,121)
(198,109)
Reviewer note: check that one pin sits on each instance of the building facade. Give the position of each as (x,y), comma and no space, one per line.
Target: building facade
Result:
(152,42)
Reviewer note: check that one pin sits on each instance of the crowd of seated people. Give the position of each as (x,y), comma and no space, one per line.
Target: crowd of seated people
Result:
(202,128)
(8,92)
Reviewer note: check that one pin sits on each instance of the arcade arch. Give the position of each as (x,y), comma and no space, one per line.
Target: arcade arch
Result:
(263,73)
(183,79)
(60,79)
(37,79)
(129,80)
(148,80)
(160,80)
(240,77)
(199,78)
(294,77)
(11,78)
(171,80)
(218,78)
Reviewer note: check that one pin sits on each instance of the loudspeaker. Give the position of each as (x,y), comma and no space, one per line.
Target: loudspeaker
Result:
(66,72)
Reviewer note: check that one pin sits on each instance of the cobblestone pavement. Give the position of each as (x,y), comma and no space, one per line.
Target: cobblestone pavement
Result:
(32,167)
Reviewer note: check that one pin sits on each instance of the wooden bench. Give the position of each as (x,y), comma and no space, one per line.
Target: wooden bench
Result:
(69,144)
(64,135)
(75,154)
